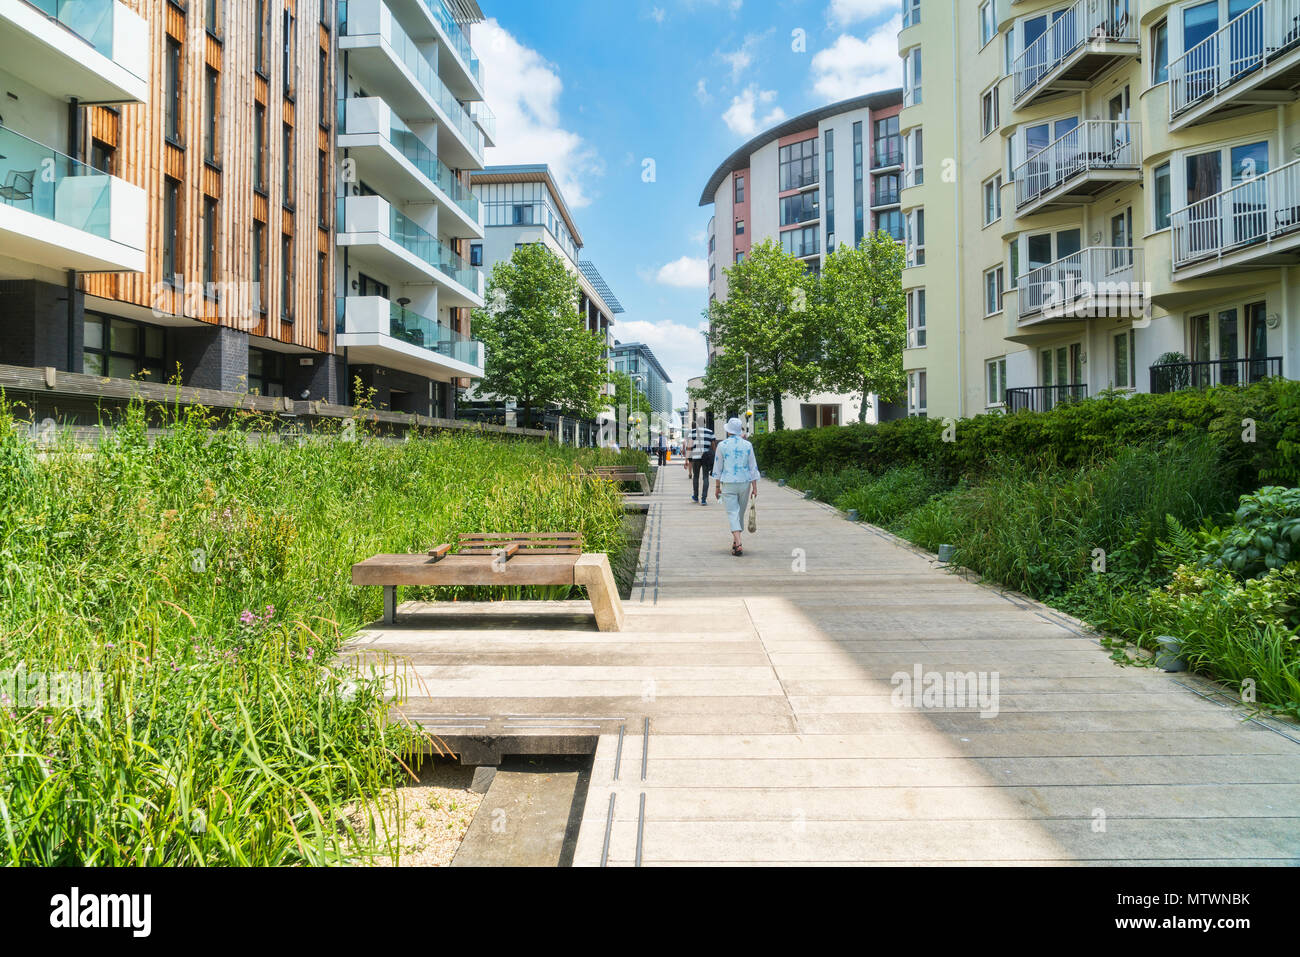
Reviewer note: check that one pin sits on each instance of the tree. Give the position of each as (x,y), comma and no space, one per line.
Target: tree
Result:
(862,309)
(539,353)
(767,317)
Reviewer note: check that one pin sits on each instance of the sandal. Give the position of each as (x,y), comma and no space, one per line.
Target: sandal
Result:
(737,550)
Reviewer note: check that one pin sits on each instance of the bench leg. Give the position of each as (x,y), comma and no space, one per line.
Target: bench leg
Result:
(390,604)
(593,573)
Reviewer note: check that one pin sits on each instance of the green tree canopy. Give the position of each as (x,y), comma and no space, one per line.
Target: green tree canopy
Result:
(768,316)
(862,309)
(539,352)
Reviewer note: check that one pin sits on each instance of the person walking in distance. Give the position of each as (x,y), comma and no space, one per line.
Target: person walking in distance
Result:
(737,478)
(700,446)
(663,449)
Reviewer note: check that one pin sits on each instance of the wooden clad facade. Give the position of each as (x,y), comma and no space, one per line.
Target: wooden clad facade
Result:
(235,62)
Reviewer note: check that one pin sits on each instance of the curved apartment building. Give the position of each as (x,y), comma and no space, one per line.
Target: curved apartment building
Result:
(1112,192)
(813,183)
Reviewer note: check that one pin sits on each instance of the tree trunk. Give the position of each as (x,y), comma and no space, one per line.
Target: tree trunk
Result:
(779,421)
(862,409)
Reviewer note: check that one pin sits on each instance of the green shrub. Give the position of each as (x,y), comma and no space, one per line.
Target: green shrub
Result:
(1264,537)
(887,500)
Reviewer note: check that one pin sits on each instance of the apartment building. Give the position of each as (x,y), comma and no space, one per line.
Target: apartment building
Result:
(649,378)
(412,128)
(64,214)
(812,183)
(1113,197)
(523,205)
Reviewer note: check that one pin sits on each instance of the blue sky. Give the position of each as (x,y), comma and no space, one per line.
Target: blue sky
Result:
(596,88)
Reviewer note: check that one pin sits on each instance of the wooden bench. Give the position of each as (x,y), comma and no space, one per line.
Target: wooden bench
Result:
(622,475)
(497,560)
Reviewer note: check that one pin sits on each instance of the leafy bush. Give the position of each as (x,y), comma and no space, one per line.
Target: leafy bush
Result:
(1264,536)
(887,500)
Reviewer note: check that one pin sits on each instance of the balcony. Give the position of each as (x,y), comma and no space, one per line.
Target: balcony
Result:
(1179,376)
(377,331)
(882,197)
(485,120)
(1087,161)
(398,163)
(1085,40)
(1254,223)
(1251,64)
(887,154)
(1044,398)
(1100,281)
(387,243)
(61,213)
(391,65)
(94,50)
(461,67)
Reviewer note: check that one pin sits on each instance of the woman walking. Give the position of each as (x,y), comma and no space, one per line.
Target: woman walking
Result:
(736,473)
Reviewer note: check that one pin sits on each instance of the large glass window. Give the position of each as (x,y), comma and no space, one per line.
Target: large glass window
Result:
(1163,196)
(830,191)
(799,164)
(888,146)
(890,222)
(859,197)
(210,106)
(171,263)
(173,103)
(801,208)
(120,349)
(265,372)
(997,382)
(916,318)
(801,242)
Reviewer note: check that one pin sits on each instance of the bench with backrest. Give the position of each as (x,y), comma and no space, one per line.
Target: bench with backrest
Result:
(500,560)
(624,475)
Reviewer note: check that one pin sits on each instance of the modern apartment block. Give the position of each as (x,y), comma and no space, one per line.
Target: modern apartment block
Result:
(523,205)
(817,181)
(412,128)
(649,378)
(1113,197)
(63,210)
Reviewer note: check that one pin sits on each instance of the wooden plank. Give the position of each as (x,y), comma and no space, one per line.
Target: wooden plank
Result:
(464,570)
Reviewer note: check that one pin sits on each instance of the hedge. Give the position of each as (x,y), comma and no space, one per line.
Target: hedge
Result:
(1068,436)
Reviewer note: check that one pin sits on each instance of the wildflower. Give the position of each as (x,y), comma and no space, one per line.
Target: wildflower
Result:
(311,653)
(247,617)
(270,612)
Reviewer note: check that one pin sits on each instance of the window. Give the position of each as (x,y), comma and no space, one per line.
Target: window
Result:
(119,349)
(911,12)
(801,242)
(1163,196)
(286,271)
(994,287)
(988,23)
(801,208)
(713,245)
(740,258)
(476,254)
(173,92)
(212,20)
(323,188)
(209,241)
(259,148)
(830,190)
(740,189)
(915,147)
(859,162)
(210,106)
(102,156)
(912,77)
(888,144)
(324,86)
(890,222)
(713,273)
(1014,256)
(171,264)
(993,200)
(286,183)
(322,301)
(259,265)
(799,164)
(261,30)
(740,227)
(989,112)
(1125,355)
(265,372)
(916,398)
(288,54)
(818,416)
(916,318)
(916,237)
(996,377)
(1160,52)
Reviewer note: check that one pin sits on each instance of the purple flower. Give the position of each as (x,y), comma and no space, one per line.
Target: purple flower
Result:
(247,617)
(311,653)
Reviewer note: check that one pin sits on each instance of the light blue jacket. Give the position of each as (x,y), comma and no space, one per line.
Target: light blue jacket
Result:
(735,461)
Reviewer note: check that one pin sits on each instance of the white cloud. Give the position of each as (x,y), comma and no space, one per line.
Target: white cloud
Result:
(852,66)
(684,273)
(844,12)
(743,115)
(742,59)
(679,348)
(702,92)
(657,14)
(524,89)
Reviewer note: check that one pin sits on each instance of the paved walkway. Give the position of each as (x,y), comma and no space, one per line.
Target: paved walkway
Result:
(775,737)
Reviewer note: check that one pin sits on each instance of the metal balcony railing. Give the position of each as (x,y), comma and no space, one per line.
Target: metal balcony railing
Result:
(1044,398)
(1254,211)
(887,152)
(1249,42)
(1094,145)
(1177,376)
(1109,277)
(1087,22)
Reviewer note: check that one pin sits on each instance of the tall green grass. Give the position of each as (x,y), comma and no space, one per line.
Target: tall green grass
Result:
(206,578)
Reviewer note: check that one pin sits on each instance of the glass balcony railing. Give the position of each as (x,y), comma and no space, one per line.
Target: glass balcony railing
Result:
(459,42)
(485,118)
(422,332)
(92,20)
(403,231)
(422,158)
(54,186)
(427,76)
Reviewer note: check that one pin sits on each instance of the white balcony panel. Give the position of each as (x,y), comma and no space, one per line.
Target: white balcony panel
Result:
(1097,282)
(94,50)
(1082,42)
(1079,165)
(369,337)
